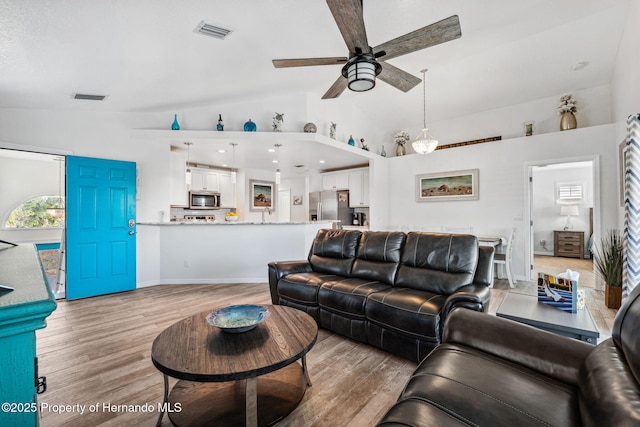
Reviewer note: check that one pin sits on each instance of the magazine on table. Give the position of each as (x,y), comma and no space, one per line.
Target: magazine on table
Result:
(558,292)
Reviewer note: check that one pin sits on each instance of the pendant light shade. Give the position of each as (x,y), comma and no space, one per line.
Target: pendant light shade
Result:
(278,161)
(425,143)
(188,171)
(234,173)
(361,71)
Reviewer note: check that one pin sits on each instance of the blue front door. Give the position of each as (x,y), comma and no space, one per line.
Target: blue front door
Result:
(101,241)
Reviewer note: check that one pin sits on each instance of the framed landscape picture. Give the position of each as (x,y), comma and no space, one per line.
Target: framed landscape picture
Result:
(446,186)
(262,195)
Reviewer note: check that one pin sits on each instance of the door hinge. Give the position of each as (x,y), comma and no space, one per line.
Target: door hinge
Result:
(41,382)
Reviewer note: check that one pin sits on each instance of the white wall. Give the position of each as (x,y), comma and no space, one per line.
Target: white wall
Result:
(546,209)
(503,171)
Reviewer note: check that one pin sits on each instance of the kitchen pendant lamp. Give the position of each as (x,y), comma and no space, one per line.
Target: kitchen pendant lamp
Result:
(234,173)
(278,161)
(188,171)
(425,143)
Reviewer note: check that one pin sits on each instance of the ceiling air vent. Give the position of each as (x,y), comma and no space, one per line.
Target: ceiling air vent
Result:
(212,30)
(89,97)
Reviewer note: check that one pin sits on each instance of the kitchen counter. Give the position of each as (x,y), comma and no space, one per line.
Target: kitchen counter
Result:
(218,251)
(204,222)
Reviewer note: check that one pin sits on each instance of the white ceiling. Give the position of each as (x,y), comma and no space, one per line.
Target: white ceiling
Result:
(145,55)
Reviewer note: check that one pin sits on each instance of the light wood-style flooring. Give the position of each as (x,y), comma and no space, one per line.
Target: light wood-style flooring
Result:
(97,351)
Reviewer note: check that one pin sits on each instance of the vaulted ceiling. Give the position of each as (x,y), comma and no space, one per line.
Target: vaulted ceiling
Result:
(145,55)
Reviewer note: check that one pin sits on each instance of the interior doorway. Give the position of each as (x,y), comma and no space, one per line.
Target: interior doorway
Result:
(564,206)
(284,205)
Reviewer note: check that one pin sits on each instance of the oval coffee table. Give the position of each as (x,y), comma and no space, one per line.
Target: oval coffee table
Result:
(234,379)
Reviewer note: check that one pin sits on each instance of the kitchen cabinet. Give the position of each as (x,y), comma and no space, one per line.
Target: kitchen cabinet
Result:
(178,185)
(335,181)
(227,191)
(204,180)
(359,188)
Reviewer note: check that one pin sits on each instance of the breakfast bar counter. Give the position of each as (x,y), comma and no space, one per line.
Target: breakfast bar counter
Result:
(218,252)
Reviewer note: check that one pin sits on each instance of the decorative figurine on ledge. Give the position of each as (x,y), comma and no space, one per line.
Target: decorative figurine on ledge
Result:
(310,128)
(277,122)
(175,125)
(351,141)
(220,125)
(364,146)
(401,138)
(332,131)
(250,126)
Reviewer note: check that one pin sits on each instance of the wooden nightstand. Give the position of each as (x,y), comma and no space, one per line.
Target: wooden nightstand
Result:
(568,244)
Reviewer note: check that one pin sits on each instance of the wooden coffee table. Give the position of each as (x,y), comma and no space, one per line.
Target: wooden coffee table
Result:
(235,379)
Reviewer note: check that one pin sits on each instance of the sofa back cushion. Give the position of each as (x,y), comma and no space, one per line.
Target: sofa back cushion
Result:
(438,263)
(333,251)
(378,256)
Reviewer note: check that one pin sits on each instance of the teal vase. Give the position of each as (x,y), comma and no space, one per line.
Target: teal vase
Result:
(220,125)
(175,125)
(351,141)
(249,126)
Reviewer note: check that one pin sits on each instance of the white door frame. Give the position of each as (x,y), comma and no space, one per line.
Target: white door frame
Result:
(595,159)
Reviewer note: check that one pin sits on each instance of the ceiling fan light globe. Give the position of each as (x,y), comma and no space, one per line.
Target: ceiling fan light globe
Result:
(361,76)
(425,143)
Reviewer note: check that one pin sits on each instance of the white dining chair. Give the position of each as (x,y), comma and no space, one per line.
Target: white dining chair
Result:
(505,258)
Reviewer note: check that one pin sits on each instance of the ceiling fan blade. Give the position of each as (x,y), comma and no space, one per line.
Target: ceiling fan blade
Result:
(398,78)
(348,17)
(440,32)
(306,62)
(336,89)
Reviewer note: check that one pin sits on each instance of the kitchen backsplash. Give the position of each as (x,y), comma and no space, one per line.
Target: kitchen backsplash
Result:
(181,213)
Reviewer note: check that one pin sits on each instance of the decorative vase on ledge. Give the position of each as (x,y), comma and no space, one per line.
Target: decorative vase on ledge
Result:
(568,121)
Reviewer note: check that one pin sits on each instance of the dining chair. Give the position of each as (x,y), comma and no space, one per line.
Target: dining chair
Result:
(505,258)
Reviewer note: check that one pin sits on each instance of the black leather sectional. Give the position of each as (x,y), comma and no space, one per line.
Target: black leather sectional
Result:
(491,371)
(388,289)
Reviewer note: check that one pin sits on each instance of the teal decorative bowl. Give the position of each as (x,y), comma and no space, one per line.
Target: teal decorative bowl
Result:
(238,318)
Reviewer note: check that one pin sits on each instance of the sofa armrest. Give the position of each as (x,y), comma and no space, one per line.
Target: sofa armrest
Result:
(484,270)
(552,355)
(474,296)
(278,269)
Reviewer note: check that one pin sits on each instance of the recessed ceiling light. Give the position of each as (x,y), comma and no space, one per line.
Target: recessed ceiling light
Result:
(274,161)
(222,151)
(224,165)
(271,150)
(321,161)
(579,65)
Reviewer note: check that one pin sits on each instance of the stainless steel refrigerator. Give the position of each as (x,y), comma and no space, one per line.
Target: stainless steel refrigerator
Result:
(330,205)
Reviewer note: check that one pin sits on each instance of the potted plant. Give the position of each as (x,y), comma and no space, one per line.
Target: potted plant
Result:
(608,261)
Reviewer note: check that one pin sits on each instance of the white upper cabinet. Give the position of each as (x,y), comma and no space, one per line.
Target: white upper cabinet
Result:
(227,191)
(178,189)
(335,181)
(359,188)
(204,180)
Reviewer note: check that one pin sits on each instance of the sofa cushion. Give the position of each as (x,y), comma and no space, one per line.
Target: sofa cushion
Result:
(407,311)
(333,251)
(378,256)
(419,412)
(438,263)
(348,296)
(487,390)
(625,331)
(303,287)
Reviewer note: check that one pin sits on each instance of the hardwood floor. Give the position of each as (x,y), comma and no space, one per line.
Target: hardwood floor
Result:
(96,351)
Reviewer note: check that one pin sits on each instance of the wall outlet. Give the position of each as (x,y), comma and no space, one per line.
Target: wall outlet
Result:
(186,263)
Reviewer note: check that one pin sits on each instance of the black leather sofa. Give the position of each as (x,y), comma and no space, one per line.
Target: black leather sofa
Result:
(388,289)
(491,371)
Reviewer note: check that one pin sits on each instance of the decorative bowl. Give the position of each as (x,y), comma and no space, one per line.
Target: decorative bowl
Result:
(231,218)
(238,318)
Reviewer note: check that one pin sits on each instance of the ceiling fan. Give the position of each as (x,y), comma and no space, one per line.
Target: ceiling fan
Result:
(362,66)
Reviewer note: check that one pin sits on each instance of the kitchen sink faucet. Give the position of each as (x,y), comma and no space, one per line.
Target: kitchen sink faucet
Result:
(268,210)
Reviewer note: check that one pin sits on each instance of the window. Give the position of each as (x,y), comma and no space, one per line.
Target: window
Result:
(569,192)
(39,212)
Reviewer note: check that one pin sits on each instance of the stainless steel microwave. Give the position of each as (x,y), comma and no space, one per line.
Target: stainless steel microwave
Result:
(204,200)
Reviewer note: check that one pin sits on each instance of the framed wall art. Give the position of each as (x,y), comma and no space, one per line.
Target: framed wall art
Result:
(447,186)
(262,195)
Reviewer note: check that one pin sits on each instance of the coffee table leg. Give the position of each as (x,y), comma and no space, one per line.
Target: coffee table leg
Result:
(251,396)
(305,371)
(166,399)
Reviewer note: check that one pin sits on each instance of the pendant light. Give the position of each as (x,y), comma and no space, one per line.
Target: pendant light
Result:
(278,161)
(188,172)
(425,143)
(234,173)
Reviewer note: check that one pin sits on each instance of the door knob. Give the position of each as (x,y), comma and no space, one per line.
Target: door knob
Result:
(131,233)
